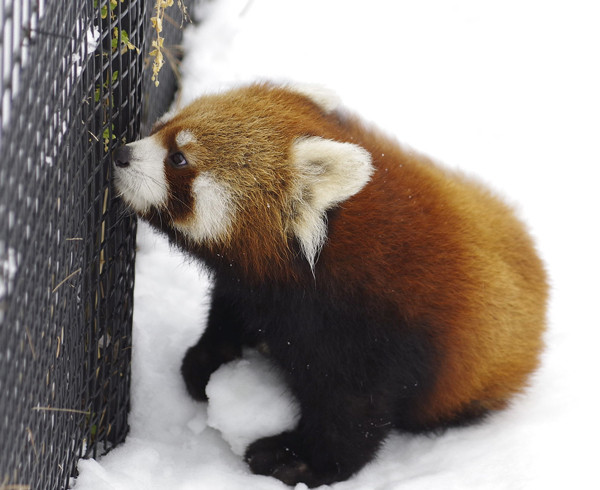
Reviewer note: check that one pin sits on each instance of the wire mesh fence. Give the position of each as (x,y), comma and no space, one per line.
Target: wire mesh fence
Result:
(74,83)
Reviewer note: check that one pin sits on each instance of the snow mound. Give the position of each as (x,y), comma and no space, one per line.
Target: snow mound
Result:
(247,400)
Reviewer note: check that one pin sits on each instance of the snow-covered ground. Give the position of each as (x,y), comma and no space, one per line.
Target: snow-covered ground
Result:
(509,91)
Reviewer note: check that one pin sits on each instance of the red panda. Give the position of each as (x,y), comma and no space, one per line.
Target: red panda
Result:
(391,292)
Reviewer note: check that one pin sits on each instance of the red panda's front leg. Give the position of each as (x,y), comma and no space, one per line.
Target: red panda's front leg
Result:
(220,343)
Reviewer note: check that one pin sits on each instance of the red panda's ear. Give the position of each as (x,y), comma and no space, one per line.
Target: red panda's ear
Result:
(325,98)
(328,173)
(163,120)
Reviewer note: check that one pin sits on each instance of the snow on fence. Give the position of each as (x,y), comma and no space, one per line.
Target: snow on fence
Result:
(75,80)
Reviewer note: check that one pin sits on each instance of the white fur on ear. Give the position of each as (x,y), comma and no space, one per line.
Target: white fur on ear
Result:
(166,117)
(329,172)
(325,98)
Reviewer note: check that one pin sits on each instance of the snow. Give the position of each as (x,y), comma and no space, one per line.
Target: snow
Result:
(249,382)
(506,91)
(92,37)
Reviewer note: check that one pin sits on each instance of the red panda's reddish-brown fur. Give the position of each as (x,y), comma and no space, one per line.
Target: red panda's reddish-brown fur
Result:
(462,261)
(421,245)
(456,255)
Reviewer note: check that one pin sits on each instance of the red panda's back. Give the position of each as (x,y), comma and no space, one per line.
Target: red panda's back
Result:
(454,258)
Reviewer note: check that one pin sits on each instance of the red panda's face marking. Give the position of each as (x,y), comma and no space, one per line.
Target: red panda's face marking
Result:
(184,138)
(171,179)
(251,168)
(213,210)
(140,179)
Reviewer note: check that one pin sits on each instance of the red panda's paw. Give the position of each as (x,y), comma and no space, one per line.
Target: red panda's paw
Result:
(196,372)
(278,456)
(201,361)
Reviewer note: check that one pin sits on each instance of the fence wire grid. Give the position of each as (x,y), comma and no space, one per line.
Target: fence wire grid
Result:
(74,83)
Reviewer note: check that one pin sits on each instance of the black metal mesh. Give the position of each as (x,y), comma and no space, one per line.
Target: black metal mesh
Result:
(71,90)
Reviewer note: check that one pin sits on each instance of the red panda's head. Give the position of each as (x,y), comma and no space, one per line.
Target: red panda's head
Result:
(249,170)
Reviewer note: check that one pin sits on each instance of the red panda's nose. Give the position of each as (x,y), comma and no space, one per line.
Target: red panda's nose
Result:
(122,156)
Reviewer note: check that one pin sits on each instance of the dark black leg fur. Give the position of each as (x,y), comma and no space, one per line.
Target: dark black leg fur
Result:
(354,371)
(327,446)
(220,343)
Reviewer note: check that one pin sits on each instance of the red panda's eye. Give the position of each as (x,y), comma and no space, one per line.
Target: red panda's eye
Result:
(177,160)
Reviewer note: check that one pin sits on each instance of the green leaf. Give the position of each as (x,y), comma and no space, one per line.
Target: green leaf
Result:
(108,135)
